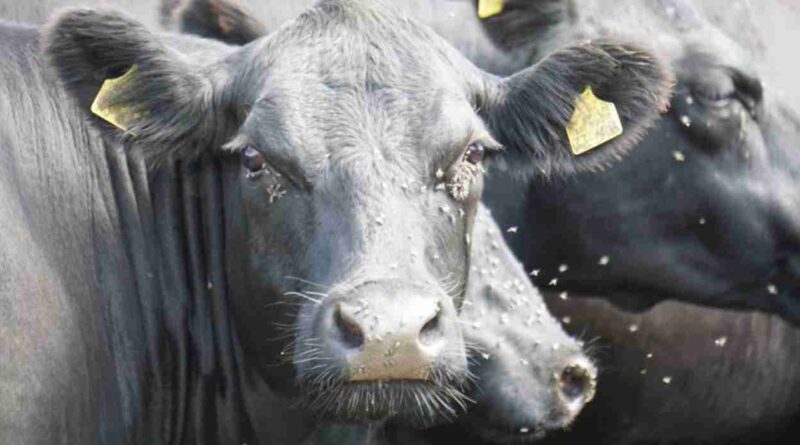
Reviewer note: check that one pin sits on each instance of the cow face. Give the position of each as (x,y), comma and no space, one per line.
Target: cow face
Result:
(706,209)
(352,144)
(531,378)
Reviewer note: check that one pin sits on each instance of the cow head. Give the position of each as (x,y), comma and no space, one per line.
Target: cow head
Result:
(352,145)
(706,209)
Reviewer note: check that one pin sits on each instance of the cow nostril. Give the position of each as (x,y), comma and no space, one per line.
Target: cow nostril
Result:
(431,329)
(575,382)
(351,332)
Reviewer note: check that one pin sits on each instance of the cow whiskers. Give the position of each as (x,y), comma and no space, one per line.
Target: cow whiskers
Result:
(302,295)
(593,347)
(321,295)
(310,283)
(331,394)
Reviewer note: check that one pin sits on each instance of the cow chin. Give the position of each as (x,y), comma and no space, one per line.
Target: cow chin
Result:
(508,433)
(415,403)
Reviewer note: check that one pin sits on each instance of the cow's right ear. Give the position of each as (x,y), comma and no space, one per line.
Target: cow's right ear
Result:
(221,20)
(530,112)
(166,102)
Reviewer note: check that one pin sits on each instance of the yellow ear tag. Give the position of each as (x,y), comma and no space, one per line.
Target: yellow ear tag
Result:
(120,117)
(593,123)
(489,8)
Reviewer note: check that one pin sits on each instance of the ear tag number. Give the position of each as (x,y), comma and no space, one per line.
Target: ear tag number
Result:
(120,117)
(489,8)
(594,122)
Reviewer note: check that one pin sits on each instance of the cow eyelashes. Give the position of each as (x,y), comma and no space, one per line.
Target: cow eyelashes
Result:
(253,160)
(715,98)
(256,165)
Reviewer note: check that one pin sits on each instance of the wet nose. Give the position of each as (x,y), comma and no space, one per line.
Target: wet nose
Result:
(384,332)
(577,383)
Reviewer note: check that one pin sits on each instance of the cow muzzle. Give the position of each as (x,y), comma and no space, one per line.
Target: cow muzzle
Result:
(385,331)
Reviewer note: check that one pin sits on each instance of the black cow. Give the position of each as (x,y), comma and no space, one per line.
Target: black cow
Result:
(144,270)
(702,352)
(706,210)
(521,354)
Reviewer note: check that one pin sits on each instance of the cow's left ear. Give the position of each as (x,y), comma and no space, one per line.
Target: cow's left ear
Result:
(160,98)
(530,112)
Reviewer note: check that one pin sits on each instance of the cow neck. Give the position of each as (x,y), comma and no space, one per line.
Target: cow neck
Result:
(172,228)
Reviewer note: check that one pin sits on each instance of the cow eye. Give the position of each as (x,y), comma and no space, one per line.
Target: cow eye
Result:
(716,99)
(252,159)
(475,153)
(715,88)
(722,88)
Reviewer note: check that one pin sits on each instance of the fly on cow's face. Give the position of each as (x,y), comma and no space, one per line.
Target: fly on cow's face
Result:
(463,173)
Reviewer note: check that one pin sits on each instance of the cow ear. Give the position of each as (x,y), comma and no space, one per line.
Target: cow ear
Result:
(160,98)
(531,111)
(221,20)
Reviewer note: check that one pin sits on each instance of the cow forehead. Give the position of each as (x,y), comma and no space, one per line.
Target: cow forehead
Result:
(357,42)
(353,93)
(358,67)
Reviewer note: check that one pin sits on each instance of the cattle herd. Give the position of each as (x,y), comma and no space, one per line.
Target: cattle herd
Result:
(375,222)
